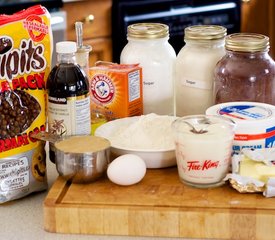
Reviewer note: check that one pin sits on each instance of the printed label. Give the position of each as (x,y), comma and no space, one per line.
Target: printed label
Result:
(202,166)
(102,88)
(69,116)
(258,136)
(36,27)
(254,141)
(270,141)
(246,112)
(14,174)
(134,85)
(196,83)
(14,65)
(116,90)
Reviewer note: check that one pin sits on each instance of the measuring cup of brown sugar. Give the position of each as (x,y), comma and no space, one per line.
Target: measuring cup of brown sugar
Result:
(80,158)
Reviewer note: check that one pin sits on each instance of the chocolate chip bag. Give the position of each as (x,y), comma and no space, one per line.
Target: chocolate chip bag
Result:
(25,62)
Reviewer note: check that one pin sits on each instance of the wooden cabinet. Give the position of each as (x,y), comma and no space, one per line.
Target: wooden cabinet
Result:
(96,18)
(259,16)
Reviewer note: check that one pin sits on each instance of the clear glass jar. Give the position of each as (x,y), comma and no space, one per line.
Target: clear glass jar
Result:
(148,45)
(246,72)
(194,68)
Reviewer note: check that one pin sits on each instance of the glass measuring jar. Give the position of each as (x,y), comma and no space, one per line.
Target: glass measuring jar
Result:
(203,149)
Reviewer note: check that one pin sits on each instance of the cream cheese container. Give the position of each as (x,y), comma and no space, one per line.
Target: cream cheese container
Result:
(255,123)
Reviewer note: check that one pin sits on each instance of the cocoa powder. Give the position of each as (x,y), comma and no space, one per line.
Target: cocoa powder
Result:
(242,76)
(246,72)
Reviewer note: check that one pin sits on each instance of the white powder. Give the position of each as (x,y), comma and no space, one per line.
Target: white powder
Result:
(150,131)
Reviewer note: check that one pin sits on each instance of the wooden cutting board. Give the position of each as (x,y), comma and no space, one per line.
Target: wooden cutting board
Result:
(160,205)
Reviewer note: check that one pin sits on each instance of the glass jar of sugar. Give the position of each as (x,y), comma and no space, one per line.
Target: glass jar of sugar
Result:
(246,72)
(195,64)
(148,45)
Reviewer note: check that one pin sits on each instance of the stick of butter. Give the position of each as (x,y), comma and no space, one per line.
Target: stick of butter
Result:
(256,170)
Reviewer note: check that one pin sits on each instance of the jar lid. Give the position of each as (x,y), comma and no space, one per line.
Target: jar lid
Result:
(205,32)
(148,30)
(247,42)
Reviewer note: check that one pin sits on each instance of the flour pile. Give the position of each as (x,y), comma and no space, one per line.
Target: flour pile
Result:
(149,132)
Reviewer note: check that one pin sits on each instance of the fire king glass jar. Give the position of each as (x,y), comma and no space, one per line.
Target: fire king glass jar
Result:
(148,45)
(194,68)
(246,72)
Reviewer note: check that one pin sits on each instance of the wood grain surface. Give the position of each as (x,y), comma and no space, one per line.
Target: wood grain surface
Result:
(160,205)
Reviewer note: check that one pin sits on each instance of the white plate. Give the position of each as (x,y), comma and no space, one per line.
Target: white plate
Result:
(155,158)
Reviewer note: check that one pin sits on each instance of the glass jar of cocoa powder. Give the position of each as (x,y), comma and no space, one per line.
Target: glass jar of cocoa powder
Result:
(246,72)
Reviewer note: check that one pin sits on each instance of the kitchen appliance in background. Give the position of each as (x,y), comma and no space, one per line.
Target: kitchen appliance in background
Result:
(177,14)
(58,17)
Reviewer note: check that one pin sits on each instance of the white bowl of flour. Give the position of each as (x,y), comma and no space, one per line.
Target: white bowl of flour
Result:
(148,136)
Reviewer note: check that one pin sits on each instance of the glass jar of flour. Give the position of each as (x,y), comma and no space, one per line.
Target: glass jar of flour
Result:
(195,68)
(148,45)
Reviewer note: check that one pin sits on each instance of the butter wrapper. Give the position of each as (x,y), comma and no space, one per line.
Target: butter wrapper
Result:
(253,170)
(270,188)
(245,184)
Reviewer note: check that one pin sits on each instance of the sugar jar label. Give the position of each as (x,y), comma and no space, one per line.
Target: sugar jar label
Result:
(196,83)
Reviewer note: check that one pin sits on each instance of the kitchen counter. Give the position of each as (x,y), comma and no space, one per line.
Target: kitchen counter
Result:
(23,218)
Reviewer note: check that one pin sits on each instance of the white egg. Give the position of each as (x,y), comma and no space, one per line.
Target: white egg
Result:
(126,169)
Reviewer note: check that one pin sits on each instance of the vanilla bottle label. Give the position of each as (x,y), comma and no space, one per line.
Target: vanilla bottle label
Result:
(69,116)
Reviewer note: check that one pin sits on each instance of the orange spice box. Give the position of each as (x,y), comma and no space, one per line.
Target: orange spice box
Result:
(116,90)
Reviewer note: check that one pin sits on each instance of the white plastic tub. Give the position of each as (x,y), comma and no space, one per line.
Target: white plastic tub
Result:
(255,123)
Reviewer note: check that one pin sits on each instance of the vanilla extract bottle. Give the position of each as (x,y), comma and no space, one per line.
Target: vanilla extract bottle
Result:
(68,96)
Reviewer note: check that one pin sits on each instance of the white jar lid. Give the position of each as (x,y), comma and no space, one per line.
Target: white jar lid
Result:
(66,47)
(246,114)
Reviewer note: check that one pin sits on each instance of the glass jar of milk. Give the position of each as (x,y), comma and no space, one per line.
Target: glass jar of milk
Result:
(148,45)
(195,68)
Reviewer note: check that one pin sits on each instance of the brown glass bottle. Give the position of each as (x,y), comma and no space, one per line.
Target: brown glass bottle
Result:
(246,72)
(68,97)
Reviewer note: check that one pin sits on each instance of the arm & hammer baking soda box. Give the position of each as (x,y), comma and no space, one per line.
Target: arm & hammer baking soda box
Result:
(116,90)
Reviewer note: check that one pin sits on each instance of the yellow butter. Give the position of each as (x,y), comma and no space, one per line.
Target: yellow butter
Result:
(256,170)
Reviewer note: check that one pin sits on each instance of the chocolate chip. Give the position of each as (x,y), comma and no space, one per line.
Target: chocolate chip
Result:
(18,111)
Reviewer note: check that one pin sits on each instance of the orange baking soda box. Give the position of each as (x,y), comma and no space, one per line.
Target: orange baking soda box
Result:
(116,90)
